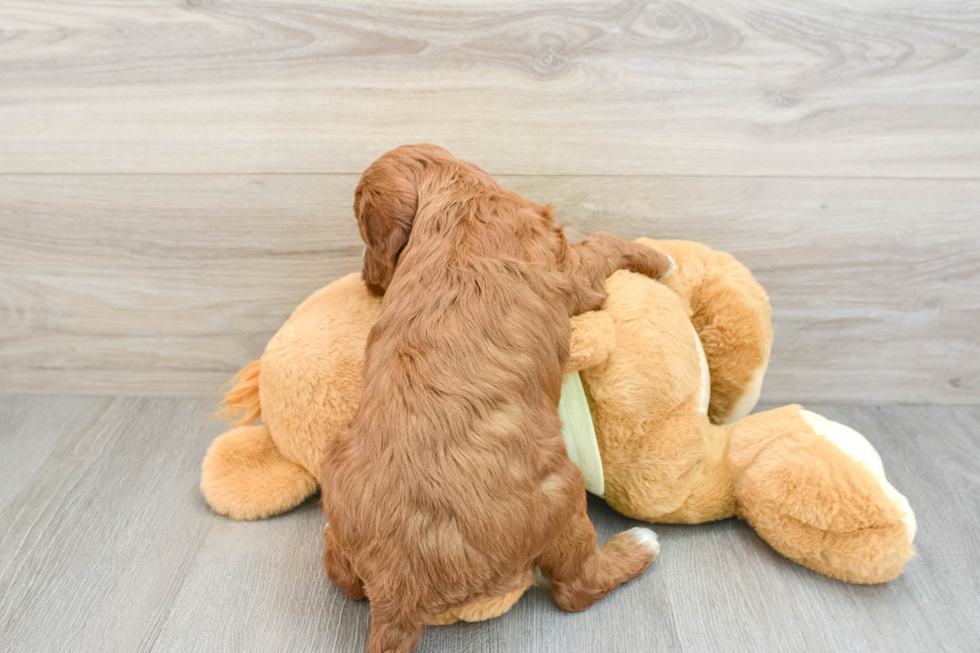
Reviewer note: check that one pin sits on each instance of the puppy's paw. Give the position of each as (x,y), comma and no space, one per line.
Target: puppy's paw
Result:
(651,262)
(646,538)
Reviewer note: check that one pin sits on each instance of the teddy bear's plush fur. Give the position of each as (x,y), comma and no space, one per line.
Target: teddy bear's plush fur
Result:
(671,372)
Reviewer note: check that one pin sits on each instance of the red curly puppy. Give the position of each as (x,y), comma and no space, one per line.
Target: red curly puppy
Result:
(452,481)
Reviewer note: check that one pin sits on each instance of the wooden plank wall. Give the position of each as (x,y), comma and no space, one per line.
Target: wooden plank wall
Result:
(176,177)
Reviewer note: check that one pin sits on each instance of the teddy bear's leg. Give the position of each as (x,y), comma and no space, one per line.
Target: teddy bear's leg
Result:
(245,476)
(581,572)
(680,477)
(339,568)
(816,491)
(731,313)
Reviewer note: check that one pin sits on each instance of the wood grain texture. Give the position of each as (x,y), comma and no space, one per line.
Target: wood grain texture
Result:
(106,545)
(95,544)
(168,284)
(728,87)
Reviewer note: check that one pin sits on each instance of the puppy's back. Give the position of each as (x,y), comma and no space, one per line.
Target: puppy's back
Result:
(461,385)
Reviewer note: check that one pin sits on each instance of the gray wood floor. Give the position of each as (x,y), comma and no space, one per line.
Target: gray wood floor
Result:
(107,545)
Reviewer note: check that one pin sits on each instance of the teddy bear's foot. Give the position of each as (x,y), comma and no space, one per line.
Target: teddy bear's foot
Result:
(244,475)
(816,491)
(488,607)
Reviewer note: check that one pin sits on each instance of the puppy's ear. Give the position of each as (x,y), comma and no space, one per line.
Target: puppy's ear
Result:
(385,203)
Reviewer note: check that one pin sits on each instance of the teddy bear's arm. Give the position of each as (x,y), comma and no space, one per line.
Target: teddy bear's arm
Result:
(593,337)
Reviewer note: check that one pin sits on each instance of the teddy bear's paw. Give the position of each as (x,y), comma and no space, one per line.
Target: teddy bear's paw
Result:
(592,338)
(646,538)
(858,449)
(487,607)
(245,476)
(816,491)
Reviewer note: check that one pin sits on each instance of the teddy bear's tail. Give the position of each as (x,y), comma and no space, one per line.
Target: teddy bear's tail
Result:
(242,401)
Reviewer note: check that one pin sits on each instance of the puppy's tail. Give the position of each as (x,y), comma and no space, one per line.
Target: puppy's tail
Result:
(242,401)
(391,631)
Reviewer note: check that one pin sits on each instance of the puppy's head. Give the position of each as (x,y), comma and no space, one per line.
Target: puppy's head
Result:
(385,203)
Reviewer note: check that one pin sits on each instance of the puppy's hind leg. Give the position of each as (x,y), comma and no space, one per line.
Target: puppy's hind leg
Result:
(581,573)
(339,568)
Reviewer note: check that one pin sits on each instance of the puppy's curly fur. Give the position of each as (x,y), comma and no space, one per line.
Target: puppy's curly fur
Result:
(452,481)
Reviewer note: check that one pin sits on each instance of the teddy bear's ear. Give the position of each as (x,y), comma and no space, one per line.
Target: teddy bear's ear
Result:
(593,337)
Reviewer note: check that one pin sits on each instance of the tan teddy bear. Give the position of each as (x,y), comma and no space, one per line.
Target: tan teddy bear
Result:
(655,404)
